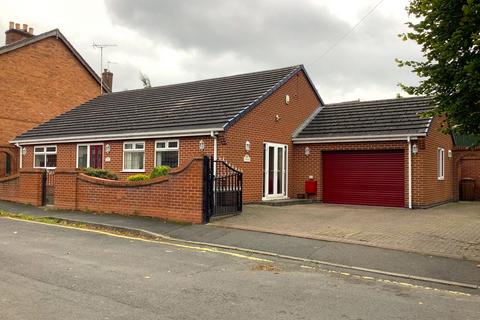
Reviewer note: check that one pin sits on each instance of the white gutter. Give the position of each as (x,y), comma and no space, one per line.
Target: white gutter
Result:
(389,137)
(121,136)
(409,173)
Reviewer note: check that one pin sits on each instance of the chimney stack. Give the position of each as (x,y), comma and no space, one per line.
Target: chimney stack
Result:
(15,33)
(107,78)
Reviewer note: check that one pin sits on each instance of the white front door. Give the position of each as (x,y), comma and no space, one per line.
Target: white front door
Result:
(275,171)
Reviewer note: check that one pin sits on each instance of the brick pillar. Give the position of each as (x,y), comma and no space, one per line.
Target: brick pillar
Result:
(31,186)
(65,189)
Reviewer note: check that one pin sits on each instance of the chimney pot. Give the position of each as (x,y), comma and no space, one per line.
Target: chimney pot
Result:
(15,33)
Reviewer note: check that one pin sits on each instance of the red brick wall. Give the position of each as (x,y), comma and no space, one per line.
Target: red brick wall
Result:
(312,165)
(39,82)
(427,189)
(25,187)
(67,152)
(259,126)
(177,197)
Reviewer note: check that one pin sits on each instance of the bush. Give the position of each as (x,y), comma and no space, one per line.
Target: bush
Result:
(100,173)
(138,177)
(159,171)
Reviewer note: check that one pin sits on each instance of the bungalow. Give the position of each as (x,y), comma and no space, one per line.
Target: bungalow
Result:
(273,125)
(236,118)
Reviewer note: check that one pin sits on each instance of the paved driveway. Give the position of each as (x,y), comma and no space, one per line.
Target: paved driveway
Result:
(451,230)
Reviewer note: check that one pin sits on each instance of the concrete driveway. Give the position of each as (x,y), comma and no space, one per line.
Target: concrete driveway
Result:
(451,230)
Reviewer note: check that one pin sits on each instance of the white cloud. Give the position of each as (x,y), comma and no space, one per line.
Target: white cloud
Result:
(173,41)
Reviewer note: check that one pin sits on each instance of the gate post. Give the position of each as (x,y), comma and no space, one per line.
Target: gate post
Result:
(44,187)
(206,189)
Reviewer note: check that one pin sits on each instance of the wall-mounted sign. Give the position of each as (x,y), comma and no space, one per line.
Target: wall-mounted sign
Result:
(246,158)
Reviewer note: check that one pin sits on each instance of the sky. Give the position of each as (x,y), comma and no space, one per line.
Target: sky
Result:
(174,41)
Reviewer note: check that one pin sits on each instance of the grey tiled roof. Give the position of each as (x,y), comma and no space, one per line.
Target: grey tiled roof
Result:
(369,118)
(204,104)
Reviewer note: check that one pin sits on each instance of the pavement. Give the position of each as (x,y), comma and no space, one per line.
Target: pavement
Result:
(50,272)
(450,230)
(356,256)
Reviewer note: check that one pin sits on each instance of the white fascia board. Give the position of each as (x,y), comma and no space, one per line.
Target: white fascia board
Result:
(122,136)
(391,137)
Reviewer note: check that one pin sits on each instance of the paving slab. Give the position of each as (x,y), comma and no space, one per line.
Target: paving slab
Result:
(450,230)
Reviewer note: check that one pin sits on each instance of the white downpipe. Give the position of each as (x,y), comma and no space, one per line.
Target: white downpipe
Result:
(409,173)
(215,145)
(215,151)
(21,155)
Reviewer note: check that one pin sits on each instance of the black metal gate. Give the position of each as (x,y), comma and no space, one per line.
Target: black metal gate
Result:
(222,189)
(48,187)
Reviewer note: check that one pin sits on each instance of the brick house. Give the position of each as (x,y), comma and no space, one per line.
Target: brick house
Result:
(42,76)
(273,125)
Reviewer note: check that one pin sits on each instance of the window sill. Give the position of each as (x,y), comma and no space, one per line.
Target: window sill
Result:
(441,178)
(133,171)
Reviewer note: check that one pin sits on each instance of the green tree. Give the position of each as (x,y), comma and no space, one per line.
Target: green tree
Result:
(448,32)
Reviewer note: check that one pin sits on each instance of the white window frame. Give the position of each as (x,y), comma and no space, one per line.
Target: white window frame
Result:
(88,153)
(45,152)
(441,164)
(166,149)
(133,150)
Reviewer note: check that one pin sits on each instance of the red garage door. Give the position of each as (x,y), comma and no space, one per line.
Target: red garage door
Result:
(364,177)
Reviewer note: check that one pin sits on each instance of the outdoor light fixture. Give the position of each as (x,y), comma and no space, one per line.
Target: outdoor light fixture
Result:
(450,153)
(307,151)
(247,146)
(24,151)
(107,148)
(415,149)
(201,145)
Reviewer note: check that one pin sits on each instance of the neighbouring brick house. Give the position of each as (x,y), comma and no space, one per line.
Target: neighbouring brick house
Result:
(272,125)
(42,76)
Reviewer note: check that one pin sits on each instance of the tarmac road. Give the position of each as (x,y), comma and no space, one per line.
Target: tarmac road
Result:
(49,272)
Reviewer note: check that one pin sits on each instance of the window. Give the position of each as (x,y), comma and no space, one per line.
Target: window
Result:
(166,153)
(90,156)
(134,156)
(441,163)
(45,157)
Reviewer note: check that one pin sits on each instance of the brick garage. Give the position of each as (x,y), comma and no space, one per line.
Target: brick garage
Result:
(364,124)
(42,76)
